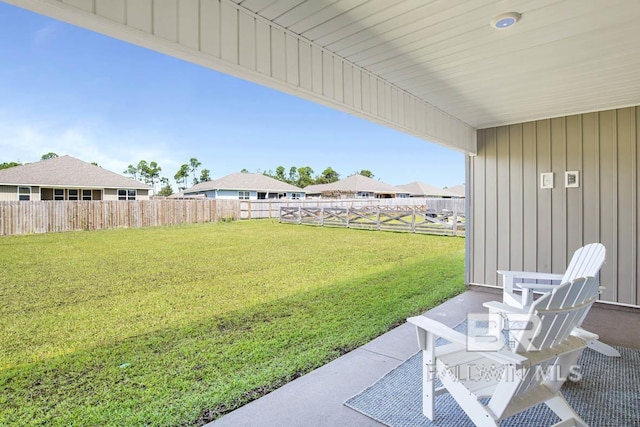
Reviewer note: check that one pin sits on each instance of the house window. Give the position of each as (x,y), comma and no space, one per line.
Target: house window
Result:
(73,194)
(244,195)
(86,194)
(58,194)
(295,196)
(24,193)
(364,195)
(126,194)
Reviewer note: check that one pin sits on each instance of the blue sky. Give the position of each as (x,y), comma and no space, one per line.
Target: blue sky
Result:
(72,91)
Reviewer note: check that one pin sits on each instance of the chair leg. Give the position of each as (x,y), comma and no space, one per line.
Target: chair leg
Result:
(566,413)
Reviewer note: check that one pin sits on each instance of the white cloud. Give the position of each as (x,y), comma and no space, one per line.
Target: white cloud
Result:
(27,142)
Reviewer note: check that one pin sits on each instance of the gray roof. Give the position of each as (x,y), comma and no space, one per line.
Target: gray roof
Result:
(419,188)
(354,184)
(244,181)
(66,171)
(458,190)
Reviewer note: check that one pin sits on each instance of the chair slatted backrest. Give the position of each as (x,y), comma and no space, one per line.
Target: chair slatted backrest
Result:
(585,262)
(558,313)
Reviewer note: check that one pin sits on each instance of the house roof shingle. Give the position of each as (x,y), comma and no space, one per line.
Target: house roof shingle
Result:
(458,190)
(354,184)
(244,181)
(420,188)
(66,171)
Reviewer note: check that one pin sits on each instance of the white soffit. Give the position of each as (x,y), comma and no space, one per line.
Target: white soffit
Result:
(562,57)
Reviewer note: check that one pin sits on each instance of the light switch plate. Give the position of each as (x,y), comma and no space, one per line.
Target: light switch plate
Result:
(546,180)
(572,179)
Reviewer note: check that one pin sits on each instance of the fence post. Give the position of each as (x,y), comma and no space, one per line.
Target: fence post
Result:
(454,229)
(322,216)
(347,218)
(378,218)
(413,220)
(299,214)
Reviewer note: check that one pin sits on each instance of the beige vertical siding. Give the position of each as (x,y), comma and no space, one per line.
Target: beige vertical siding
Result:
(8,193)
(110,194)
(518,226)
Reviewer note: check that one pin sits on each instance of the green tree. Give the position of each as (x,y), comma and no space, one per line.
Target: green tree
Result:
(293,174)
(166,189)
(328,176)
(194,164)
(205,175)
(367,173)
(7,165)
(279,175)
(152,174)
(49,155)
(131,170)
(305,176)
(182,176)
(244,170)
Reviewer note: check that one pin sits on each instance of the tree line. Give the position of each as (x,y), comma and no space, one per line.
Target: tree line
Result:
(149,173)
(303,176)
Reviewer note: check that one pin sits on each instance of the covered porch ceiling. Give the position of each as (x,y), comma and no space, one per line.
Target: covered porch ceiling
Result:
(436,69)
(561,58)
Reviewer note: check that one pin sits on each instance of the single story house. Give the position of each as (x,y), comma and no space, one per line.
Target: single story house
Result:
(421,189)
(246,186)
(356,187)
(67,178)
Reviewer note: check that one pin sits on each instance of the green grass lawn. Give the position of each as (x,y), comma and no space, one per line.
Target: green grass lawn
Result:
(178,325)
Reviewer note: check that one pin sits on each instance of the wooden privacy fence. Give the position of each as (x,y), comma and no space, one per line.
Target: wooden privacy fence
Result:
(57,216)
(405,219)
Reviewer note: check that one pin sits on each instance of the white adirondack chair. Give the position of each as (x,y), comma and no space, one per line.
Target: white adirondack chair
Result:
(510,380)
(586,261)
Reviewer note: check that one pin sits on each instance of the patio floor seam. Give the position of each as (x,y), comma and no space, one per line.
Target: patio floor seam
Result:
(381,354)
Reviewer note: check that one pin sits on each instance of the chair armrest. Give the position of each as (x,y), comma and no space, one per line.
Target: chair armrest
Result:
(441,330)
(438,329)
(500,307)
(533,275)
(537,287)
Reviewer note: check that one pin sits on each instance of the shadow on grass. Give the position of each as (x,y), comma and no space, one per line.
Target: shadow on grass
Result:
(194,374)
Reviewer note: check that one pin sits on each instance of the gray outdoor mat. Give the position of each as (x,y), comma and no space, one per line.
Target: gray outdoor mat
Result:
(607,395)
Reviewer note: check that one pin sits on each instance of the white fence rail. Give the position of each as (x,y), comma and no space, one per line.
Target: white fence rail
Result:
(254,209)
(413,219)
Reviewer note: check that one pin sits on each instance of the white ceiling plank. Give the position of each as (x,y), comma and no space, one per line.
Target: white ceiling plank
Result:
(114,10)
(256,5)
(274,10)
(165,22)
(327,13)
(140,15)
(189,23)
(372,16)
(86,5)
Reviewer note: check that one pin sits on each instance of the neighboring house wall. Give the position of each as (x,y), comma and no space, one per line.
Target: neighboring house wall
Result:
(516,225)
(110,194)
(235,194)
(9,193)
(143,195)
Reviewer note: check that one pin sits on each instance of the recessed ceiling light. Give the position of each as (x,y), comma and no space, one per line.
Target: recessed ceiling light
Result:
(505,20)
